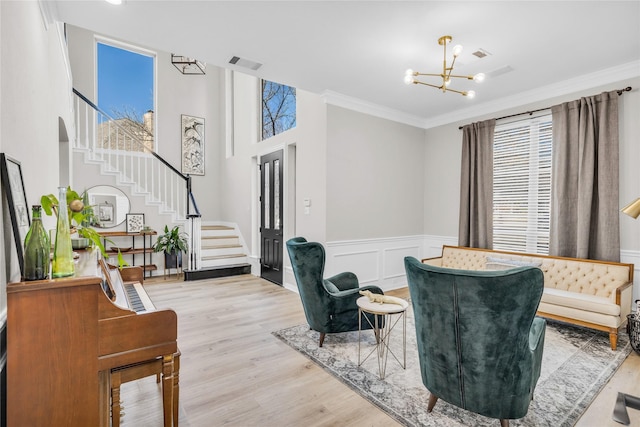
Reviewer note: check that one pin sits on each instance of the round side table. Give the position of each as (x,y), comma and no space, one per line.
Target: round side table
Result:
(392,313)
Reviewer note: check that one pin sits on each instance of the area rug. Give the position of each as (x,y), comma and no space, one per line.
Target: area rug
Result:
(576,365)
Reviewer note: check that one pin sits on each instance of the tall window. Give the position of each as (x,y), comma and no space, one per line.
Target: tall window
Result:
(278,108)
(125,81)
(522,185)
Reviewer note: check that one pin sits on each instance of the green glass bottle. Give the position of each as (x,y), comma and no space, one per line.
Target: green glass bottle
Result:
(36,248)
(62,265)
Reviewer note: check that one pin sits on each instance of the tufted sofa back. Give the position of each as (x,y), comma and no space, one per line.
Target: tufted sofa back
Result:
(591,277)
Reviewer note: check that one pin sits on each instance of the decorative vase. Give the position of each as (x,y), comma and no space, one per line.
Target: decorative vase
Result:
(63,252)
(36,248)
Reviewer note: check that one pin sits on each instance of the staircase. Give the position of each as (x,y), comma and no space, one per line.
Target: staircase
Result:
(215,250)
(221,253)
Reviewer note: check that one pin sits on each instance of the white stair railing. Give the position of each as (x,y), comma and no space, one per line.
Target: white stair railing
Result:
(129,156)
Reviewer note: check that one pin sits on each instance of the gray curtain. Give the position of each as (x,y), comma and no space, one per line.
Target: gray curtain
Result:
(584,201)
(476,186)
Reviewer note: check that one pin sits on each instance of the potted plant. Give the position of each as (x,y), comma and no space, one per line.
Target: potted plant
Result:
(173,242)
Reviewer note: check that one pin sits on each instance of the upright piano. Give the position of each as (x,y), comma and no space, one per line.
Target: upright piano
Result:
(66,335)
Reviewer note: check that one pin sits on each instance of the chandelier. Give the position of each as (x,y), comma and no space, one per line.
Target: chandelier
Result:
(446,75)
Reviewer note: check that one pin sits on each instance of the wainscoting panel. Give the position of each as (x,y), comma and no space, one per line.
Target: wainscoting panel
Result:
(375,261)
(364,263)
(393,266)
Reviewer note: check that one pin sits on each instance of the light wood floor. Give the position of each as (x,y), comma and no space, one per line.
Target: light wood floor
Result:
(235,373)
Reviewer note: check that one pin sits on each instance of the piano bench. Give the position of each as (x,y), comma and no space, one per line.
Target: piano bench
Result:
(136,371)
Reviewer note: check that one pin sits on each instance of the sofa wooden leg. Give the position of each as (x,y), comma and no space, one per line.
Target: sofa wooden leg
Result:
(322,334)
(504,422)
(613,338)
(432,402)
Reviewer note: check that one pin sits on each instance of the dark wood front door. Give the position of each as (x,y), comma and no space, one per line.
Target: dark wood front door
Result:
(271,213)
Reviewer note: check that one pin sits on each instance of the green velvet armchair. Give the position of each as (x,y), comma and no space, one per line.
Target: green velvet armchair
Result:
(479,340)
(329,304)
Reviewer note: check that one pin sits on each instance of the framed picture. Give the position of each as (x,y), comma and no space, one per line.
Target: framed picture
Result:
(16,198)
(135,222)
(192,145)
(105,214)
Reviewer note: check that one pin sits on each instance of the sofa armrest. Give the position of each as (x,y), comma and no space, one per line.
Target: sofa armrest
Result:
(437,261)
(624,297)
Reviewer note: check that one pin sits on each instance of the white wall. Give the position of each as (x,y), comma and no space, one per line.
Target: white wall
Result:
(304,150)
(35,89)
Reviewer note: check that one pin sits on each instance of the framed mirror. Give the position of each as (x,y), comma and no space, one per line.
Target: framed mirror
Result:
(110,206)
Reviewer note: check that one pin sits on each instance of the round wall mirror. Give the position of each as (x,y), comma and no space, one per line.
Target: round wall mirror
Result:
(110,206)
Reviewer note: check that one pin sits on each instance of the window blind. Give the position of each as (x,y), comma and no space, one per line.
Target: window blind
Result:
(522,185)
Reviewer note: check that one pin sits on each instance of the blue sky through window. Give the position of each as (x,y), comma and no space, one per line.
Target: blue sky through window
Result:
(125,81)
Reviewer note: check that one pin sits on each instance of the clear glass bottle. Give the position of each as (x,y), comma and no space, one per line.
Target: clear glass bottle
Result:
(62,265)
(36,248)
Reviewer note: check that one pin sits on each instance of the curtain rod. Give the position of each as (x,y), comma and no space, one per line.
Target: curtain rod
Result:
(620,92)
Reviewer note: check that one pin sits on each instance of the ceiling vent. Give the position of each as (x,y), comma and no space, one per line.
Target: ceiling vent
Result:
(481,53)
(245,63)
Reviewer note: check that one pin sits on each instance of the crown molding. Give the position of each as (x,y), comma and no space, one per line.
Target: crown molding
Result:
(356,104)
(49,12)
(584,82)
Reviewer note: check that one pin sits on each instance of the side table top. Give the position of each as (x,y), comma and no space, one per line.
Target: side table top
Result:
(398,306)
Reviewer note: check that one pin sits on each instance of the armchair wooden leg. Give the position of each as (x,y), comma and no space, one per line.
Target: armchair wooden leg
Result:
(322,335)
(504,423)
(432,402)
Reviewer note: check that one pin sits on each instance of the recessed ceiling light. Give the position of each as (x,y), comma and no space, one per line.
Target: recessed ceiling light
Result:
(114,1)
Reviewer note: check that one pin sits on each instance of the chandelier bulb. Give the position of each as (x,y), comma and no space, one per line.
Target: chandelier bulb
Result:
(471,94)
(447,82)
(479,78)
(457,50)
(409,72)
(408,79)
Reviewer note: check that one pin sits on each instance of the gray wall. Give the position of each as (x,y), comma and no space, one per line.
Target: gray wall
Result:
(375,184)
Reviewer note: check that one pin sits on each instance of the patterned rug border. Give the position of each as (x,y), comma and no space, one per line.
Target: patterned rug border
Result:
(560,395)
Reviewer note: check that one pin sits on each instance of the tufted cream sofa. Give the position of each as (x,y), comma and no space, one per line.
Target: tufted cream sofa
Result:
(595,294)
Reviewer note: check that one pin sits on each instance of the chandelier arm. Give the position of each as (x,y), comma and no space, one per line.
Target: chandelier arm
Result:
(462,77)
(427,74)
(450,69)
(427,84)
(463,93)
